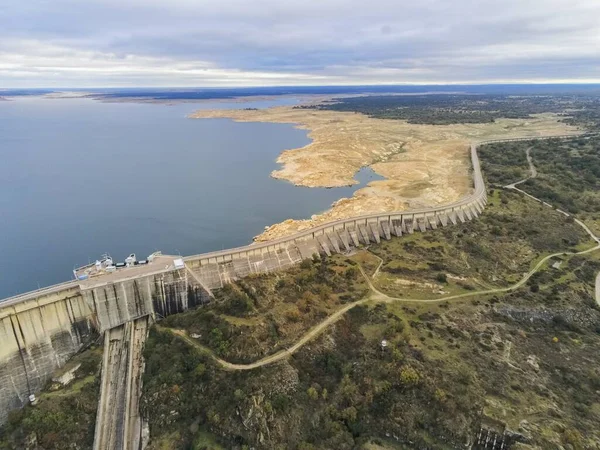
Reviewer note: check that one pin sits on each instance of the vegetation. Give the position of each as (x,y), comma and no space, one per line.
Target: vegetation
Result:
(522,362)
(492,251)
(447,368)
(263,314)
(504,162)
(443,109)
(568,172)
(64,417)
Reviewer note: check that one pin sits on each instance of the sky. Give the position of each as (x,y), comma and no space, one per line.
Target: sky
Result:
(224,43)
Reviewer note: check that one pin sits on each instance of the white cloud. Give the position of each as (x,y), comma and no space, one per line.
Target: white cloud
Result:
(51,66)
(71,43)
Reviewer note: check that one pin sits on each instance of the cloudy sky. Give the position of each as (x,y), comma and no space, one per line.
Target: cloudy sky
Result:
(114,43)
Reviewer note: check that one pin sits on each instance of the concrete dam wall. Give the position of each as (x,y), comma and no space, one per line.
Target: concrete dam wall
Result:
(118,422)
(163,294)
(37,337)
(215,269)
(218,268)
(42,331)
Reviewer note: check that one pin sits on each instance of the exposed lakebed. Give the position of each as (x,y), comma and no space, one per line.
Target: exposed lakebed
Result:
(80,177)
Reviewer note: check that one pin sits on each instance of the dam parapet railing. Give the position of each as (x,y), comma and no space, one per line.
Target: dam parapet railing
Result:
(477,196)
(470,205)
(42,329)
(398,222)
(30,295)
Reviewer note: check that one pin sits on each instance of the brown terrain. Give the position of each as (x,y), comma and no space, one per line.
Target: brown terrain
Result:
(424,165)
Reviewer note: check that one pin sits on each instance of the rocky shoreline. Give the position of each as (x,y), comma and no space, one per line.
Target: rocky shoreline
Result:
(423,165)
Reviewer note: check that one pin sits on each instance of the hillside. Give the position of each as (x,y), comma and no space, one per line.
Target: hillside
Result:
(489,326)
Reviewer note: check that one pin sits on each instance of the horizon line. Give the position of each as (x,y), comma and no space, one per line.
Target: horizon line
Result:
(349,85)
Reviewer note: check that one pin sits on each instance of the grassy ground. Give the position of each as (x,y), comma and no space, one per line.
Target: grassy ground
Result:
(492,251)
(263,314)
(447,368)
(568,173)
(525,359)
(445,109)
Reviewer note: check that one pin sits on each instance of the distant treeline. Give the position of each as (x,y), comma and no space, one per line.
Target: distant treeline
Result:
(192,93)
(443,109)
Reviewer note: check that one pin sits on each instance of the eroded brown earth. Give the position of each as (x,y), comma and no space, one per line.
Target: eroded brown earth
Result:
(424,165)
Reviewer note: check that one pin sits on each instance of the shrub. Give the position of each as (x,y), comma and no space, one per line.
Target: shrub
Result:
(281,402)
(440,395)
(312,393)
(409,376)
(306,264)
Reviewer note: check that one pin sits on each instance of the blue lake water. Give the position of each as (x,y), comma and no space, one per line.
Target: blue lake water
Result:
(79,178)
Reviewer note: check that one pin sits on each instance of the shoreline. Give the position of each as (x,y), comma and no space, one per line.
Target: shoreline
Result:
(422,165)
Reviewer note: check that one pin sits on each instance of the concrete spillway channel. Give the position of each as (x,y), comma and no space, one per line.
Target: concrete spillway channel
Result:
(118,423)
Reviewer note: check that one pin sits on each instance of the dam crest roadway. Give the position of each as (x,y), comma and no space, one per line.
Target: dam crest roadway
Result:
(42,329)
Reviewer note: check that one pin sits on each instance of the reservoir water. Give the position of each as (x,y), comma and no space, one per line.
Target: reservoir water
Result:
(79,178)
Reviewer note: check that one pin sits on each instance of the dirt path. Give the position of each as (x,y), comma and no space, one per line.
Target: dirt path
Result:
(311,334)
(378,267)
(376,296)
(534,174)
(532,171)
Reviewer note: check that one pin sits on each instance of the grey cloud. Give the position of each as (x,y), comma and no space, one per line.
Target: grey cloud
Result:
(224,42)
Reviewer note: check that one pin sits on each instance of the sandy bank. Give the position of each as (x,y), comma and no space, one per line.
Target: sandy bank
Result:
(424,165)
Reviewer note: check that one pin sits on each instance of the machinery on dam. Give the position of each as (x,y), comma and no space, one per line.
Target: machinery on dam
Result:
(41,330)
(106,265)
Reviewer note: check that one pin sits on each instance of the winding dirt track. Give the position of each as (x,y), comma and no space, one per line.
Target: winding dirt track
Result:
(532,171)
(378,296)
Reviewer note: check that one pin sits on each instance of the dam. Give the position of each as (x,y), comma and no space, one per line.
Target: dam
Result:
(42,329)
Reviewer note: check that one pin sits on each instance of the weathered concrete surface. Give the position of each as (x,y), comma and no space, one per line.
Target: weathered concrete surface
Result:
(41,330)
(162,293)
(39,334)
(37,337)
(215,269)
(118,422)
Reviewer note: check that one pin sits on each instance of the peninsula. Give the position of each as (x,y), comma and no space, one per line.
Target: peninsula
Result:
(424,165)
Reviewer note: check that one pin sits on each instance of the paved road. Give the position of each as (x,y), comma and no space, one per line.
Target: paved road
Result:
(479,190)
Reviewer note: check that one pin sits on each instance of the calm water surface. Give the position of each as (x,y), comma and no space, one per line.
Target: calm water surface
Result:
(79,178)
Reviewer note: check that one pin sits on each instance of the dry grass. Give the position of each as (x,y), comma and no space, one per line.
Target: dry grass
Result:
(424,165)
